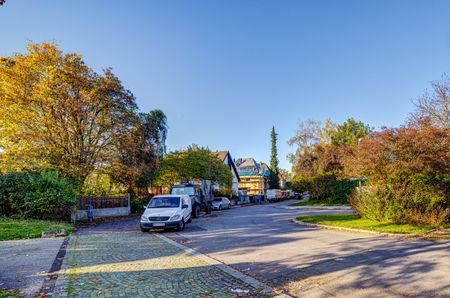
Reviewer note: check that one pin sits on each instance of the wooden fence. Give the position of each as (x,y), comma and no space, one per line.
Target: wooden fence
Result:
(102,202)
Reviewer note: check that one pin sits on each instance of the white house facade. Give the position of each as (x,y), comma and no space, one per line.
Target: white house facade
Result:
(225,156)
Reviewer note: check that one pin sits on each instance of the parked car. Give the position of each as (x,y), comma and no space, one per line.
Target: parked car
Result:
(167,212)
(221,203)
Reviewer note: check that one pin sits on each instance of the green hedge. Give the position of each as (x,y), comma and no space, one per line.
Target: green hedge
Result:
(409,204)
(36,195)
(325,188)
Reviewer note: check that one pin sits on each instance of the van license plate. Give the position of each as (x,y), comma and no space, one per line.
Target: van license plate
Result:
(159,224)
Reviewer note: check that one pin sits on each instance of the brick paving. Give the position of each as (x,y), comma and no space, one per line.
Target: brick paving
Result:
(134,264)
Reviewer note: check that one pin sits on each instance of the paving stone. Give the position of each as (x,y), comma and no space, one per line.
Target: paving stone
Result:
(131,264)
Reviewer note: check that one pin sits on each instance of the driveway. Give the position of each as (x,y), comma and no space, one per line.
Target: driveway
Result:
(312,262)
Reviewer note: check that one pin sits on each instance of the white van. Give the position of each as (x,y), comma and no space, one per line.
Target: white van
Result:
(274,194)
(167,211)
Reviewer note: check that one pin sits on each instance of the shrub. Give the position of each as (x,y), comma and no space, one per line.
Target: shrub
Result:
(325,188)
(36,195)
(137,203)
(409,175)
(13,190)
(386,203)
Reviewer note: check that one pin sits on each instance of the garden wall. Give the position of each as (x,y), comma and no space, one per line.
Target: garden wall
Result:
(103,207)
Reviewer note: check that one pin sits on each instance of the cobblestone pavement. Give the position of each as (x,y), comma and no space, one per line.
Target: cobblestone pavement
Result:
(134,264)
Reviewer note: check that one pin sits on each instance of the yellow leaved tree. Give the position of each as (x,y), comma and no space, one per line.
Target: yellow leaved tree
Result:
(57,112)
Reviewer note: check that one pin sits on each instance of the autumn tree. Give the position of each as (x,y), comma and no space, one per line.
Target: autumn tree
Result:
(409,174)
(317,163)
(312,139)
(135,160)
(156,129)
(434,104)
(137,152)
(320,146)
(57,112)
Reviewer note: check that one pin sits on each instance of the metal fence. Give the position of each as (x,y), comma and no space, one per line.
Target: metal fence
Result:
(102,202)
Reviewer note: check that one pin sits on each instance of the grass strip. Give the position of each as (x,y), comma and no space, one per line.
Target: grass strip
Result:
(13,229)
(354,221)
(317,203)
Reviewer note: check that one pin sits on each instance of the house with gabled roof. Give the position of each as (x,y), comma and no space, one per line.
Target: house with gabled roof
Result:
(254,176)
(226,158)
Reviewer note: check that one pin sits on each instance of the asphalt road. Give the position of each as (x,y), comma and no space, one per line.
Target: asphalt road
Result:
(310,262)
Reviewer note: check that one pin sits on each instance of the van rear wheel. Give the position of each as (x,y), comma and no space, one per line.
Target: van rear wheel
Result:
(196,212)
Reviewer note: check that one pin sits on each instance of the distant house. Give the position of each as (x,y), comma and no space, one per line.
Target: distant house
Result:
(254,176)
(225,156)
(265,170)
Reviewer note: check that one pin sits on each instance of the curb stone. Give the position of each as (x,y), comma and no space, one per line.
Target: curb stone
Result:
(227,269)
(315,207)
(48,286)
(345,229)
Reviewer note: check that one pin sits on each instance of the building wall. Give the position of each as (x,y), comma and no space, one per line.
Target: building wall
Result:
(235,181)
(254,185)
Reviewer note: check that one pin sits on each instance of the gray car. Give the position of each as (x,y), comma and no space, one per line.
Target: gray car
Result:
(221,203)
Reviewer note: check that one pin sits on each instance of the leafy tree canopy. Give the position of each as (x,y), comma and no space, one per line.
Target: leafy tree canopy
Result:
(193,163)
(155,124)
(58,113)
(349,132)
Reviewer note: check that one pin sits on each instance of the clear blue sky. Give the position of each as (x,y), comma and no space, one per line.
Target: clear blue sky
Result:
(224,72)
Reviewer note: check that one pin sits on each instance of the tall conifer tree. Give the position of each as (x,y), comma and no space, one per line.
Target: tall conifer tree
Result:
(274,171)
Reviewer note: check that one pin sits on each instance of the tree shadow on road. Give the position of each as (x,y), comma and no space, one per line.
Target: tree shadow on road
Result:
(344,264)
(400,270)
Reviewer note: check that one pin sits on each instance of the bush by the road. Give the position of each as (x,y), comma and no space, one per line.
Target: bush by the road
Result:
(326,188)
(36,195)
(386,203)
(409,170)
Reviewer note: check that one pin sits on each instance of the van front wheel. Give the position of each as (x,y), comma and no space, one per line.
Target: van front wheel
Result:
(181,226)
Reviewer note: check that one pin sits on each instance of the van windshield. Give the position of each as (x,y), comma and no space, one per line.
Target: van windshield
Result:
(183,191)
(164,202)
